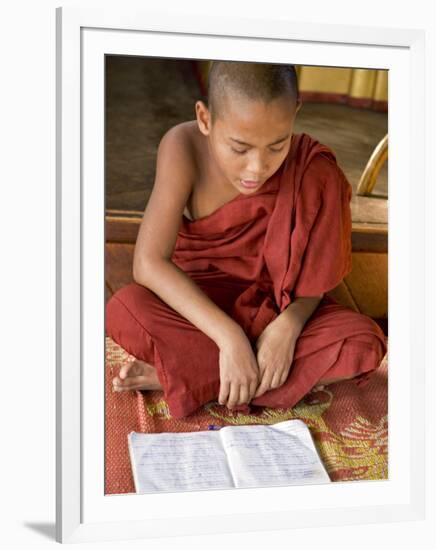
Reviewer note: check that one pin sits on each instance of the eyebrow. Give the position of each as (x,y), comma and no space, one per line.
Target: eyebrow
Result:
(249,145)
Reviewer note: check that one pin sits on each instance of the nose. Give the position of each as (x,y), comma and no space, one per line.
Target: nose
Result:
(257,166)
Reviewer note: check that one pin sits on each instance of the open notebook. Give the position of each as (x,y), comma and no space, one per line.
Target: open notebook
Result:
(234,456)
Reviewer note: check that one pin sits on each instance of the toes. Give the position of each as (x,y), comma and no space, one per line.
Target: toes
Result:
(121,385)
(116,384)
(124,371)
(132,383)
(133,367)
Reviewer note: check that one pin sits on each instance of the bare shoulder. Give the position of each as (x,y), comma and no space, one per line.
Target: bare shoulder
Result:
(176,173)
(182,141)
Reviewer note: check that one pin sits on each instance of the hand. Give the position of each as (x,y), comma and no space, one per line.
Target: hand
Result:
(275,351)
(239,372)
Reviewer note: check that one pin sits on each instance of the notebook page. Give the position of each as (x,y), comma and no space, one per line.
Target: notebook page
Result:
(178,461)
(269,455)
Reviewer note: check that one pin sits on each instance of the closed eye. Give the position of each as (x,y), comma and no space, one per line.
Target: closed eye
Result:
(245,150)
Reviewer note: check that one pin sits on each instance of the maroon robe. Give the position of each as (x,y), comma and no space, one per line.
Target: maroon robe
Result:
(253,256)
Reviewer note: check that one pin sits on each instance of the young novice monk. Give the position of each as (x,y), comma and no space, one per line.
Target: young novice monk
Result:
(247,227)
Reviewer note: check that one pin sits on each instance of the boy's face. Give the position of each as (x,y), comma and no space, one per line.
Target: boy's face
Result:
(250,140)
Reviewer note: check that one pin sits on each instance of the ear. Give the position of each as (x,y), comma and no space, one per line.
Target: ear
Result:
(298,106)
(203,117)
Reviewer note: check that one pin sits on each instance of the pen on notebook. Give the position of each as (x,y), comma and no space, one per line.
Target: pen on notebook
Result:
(213,427)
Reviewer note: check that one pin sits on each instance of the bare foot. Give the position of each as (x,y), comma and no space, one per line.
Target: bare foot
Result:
(136,375)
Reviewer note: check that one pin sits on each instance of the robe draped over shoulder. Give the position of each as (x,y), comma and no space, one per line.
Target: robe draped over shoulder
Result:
(291,239)
(253,257)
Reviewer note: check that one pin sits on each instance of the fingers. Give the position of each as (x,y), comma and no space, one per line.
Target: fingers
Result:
(260,390)
(244,396)
(234,396)
(265,383)
(276,380)
(224,392)
(284,378)
(271,380)
(253,388)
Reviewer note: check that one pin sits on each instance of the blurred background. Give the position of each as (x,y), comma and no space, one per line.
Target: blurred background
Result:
(344,108)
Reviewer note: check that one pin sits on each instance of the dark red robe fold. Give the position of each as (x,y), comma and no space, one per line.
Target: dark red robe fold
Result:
(253,257)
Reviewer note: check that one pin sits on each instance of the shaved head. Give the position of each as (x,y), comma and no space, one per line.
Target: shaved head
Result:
(245,80)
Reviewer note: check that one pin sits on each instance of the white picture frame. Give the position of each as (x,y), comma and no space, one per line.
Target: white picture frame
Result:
(84,36)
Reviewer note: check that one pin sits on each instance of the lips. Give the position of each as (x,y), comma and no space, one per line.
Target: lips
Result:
(250,183)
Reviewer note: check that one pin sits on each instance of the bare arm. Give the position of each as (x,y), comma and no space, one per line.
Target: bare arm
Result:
(152,265)
(154,269)
(295,316)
